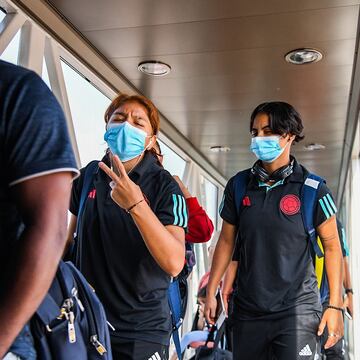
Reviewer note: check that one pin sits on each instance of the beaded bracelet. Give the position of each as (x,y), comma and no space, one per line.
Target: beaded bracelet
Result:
(335,308)
(132,206)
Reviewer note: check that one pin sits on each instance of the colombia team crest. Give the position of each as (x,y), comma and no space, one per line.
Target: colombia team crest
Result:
(290,204)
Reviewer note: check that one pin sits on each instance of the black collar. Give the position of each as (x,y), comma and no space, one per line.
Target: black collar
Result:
(147,164)
(299,173)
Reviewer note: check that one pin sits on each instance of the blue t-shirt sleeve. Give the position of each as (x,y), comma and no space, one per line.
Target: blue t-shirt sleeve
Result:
(227,209)
(325,206)
(36,137)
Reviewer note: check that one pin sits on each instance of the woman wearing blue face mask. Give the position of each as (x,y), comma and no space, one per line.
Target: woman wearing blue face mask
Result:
(131,233)
(276,309)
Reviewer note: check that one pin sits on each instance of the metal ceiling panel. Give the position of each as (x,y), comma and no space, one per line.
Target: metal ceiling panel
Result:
(109,14)
(337,52)
(228,34)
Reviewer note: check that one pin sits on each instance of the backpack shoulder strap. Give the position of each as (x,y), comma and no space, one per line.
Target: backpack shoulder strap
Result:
(88,177)
(74,248)
(308,200)
(49,309)
(241,180)
(174,299)
(319,265)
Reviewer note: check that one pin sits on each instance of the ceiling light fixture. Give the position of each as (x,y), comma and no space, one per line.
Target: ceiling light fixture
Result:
(219,148)
(314,146)
(154,68)
(303,56)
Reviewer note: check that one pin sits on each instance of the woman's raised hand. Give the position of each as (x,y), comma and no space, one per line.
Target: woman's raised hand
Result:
(123,190)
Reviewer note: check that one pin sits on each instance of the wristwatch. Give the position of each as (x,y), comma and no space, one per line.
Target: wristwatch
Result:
(347,291)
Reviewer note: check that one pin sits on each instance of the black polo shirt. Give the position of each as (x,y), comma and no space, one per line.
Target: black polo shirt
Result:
(276,271)
(115,259)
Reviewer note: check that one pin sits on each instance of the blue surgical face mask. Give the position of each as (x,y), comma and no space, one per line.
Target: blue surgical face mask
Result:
(267,148)
(125,140)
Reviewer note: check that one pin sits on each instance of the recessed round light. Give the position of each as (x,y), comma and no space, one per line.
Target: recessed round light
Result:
(303,56)
(154,68)
(219,148)
(314,146)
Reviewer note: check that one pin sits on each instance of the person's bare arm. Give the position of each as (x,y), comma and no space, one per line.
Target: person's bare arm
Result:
(222,257)
(43,202)
(228,282)
(165,243)
(333,264)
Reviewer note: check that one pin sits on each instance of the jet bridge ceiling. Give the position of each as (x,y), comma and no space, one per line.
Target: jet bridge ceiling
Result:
(226,58)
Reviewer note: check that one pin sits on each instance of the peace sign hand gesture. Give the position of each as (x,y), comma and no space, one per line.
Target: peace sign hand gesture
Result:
(124,191)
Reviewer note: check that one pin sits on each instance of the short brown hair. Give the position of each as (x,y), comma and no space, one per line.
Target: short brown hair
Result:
(152,111)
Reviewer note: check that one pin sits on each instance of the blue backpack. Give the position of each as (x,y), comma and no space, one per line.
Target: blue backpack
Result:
(74,252)
(71,323)
(178,295)
(308,196)
(174,299)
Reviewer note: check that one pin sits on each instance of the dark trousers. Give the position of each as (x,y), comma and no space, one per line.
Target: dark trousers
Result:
(138,350)
(336,352)
(229,325)
(287,338)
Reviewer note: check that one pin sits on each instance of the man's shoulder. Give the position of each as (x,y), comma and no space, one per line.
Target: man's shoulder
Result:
(29,104)
(9,67)
(11,72)
(16,81)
